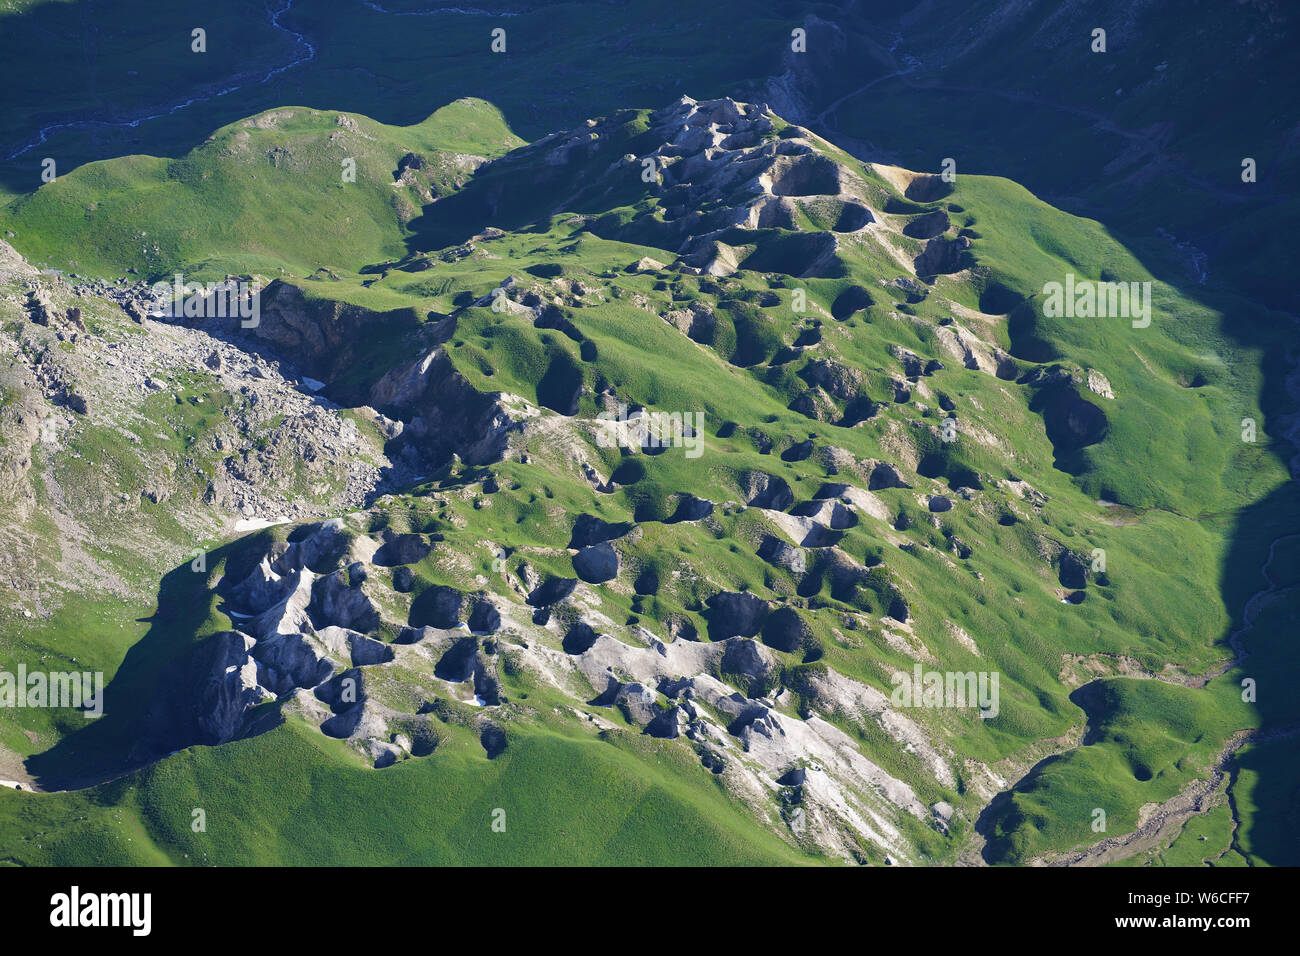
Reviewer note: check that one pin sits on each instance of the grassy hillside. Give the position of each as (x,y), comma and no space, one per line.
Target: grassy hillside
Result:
(266,195)
(1158,478)
(290,797)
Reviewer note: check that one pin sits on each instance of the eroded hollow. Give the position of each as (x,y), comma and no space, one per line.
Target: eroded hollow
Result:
(800,451)
(579,638)
(928,226)
(942,257)
(402,549)
(853,299)
(927,189)
(436,606)
(457,664)
(853,216)
(807,175)
(551,591)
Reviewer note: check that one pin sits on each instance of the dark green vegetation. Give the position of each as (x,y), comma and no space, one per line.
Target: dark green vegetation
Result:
(1158,477)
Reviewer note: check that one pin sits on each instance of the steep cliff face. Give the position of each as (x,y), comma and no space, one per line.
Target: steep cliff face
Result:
(442,414)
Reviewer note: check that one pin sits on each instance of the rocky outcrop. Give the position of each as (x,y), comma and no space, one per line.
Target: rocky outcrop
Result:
(726,183)
(748,662)
(783,555)
(321,335)
(761,490)
(205,697)
(443,414)
(944,256)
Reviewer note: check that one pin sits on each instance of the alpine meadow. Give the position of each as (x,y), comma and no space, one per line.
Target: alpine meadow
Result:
(759,433)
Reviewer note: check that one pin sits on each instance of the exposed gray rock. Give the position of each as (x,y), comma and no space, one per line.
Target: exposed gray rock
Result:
(668,724)
(762,490)
(227,687)
(784,555)
(335,601)
(637,703)
(289,661)
(749,660)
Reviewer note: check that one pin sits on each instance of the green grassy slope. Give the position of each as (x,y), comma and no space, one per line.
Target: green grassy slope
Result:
(265,195)
(293,797)
(1179,532)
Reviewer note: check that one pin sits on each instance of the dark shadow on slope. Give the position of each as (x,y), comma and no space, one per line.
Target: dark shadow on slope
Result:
(148,707)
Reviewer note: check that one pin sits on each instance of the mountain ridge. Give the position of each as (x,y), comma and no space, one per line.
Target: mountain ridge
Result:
(761,600)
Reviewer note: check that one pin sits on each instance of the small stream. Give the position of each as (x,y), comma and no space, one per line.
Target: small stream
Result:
(307,52)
